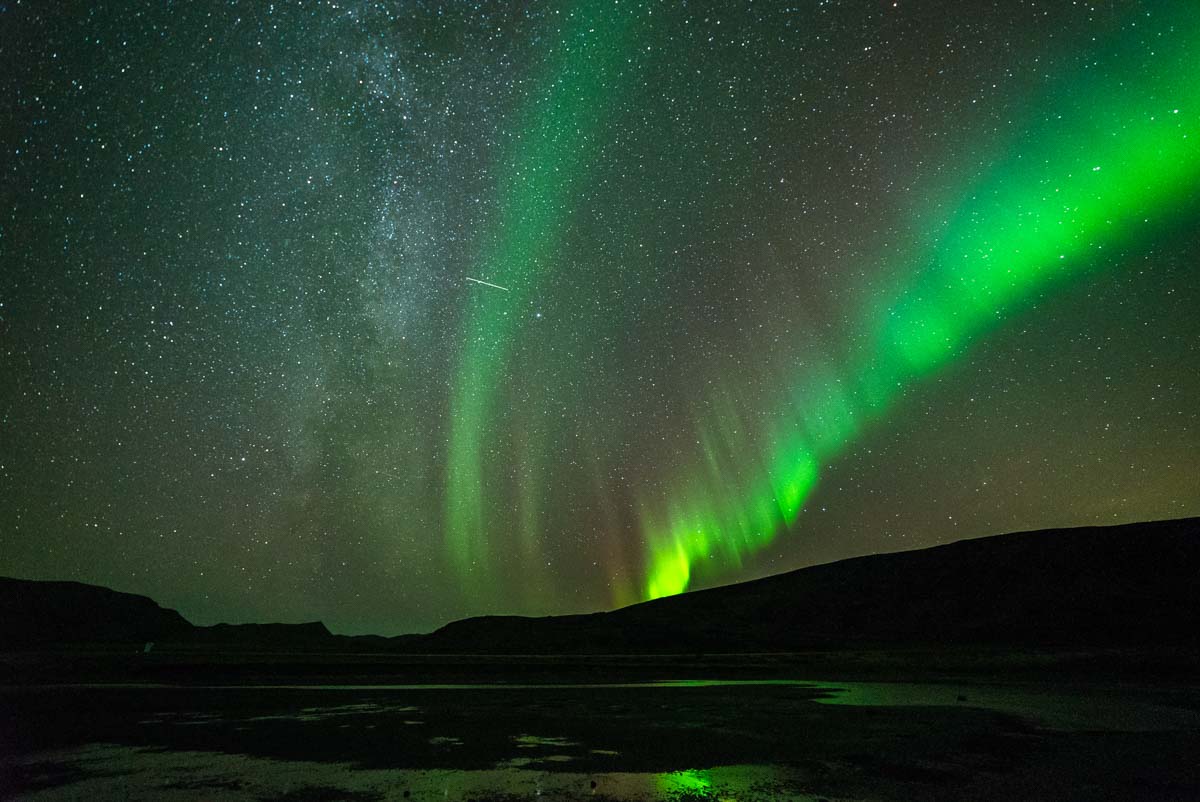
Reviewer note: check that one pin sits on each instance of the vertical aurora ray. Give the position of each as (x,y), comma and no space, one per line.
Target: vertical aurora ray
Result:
(1100,168)
(559,132)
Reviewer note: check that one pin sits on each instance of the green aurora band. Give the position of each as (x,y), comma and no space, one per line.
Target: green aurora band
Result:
(1102,162)
(548,161)
(1101,169)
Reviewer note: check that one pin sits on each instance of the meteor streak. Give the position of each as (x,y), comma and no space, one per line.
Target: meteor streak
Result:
(485,283)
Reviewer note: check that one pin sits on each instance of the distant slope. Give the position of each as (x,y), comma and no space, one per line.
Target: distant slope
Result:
(1093,587)
(49,613)
(1066,588)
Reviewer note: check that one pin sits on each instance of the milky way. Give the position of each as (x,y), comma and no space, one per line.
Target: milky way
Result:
(388,314)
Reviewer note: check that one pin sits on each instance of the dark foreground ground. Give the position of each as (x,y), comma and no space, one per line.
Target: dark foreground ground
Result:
(511,728)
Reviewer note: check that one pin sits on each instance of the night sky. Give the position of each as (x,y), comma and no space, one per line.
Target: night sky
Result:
(767,285)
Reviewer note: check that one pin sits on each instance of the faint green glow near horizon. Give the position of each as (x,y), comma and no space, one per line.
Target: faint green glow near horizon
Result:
(1098,172)
(536,187)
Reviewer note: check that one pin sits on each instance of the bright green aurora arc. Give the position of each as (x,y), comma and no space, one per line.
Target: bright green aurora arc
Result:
(389,314)
(1110,162)
(1107,158)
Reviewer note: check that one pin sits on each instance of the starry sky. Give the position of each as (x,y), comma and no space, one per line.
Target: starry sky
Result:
(768,284)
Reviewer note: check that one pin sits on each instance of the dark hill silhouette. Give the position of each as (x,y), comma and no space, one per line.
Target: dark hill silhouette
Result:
(36,614)
(1065,588)
(46,614)
(314,634)
(1091,587)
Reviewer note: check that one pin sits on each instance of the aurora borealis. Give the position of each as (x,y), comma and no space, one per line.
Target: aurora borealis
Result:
(782,284)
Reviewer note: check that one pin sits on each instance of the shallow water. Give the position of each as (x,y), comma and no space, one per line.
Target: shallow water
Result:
(1109,709)
(1106,709)
(663,740)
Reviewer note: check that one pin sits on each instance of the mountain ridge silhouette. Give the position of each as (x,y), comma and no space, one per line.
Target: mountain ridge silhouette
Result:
(1083,587)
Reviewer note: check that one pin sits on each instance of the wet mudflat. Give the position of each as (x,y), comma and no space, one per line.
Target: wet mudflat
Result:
(762,740)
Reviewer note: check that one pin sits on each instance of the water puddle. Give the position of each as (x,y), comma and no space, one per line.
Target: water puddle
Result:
(1111,710)
(306,714)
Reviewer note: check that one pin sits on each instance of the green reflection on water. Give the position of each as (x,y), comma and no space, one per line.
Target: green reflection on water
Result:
(689,781)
